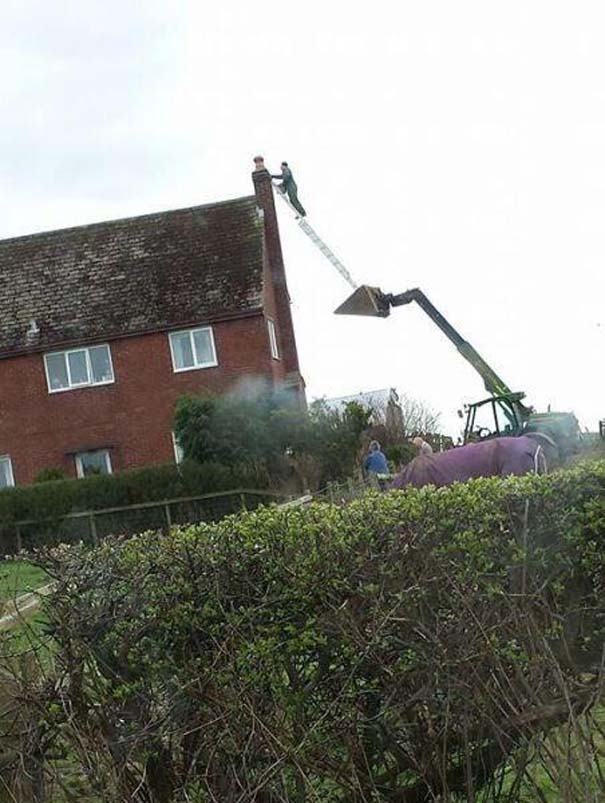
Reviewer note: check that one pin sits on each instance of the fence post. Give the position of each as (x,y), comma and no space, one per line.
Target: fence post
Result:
(242,499)
(93,529)
(19,541)
(168,516)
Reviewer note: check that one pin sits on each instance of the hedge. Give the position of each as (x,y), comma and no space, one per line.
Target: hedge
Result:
(53,499)
(400,648)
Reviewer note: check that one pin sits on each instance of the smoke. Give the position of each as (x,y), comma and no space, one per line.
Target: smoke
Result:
(257,388)
(251,387)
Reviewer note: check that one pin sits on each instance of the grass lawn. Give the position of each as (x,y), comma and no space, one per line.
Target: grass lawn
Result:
(568,765)
(19,577)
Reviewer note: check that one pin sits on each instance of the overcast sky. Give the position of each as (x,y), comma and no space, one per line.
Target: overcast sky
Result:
(458,147)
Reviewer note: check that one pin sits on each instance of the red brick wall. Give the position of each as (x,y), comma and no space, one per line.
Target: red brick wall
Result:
(133,416)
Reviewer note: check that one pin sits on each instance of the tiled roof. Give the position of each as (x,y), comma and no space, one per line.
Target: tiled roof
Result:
(129,276)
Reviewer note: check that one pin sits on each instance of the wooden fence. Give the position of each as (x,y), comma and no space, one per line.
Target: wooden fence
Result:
(91,526)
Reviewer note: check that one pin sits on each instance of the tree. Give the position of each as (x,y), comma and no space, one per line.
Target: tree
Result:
(263,432)
(229,430)
(418,417)
(336,436)
(404,416)
(394,420)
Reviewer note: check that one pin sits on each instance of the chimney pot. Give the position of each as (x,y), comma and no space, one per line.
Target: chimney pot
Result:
(259,163)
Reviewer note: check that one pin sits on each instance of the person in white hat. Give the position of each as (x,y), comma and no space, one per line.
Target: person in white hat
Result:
(422,446)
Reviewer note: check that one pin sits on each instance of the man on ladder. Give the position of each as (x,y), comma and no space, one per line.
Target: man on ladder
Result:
(288,186)
(288,192)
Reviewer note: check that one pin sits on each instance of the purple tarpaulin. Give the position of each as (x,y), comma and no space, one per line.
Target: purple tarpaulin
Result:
(497,457)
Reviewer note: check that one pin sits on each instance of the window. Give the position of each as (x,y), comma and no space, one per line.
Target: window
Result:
(483,423)
(78,368)
(179,455)
(506,420)
(7,479)
(193,348)
(273,339)
(88,463)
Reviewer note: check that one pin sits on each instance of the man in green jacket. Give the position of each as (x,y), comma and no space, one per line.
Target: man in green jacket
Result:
(288,186)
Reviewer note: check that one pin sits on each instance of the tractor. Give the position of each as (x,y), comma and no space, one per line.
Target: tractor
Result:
(503,412)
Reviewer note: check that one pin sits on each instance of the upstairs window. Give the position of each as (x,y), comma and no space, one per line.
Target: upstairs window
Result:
(89,463)
(273,339)
(78,368)
(7,479)
(193,348)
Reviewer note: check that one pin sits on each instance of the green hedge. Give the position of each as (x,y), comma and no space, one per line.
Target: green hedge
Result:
(398,649)
(53,499)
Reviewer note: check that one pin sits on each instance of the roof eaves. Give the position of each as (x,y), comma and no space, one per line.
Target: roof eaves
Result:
(41,348)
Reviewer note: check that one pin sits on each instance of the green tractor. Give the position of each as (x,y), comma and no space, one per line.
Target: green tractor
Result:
(511,417)
(503,412)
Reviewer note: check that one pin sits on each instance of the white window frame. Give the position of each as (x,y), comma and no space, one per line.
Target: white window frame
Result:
(6,458)
(86,350)
(178,450)
(197,365)
(272,329)
(80,468)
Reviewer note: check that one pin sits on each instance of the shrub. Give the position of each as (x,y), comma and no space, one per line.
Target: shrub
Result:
(261,429)
(47,502)
(400,453)
(400,648)
(50,474)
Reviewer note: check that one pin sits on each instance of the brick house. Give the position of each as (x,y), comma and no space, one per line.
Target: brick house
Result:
(103,327)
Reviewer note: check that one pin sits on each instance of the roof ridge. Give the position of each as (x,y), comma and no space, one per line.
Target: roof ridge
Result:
(360,393)
(99,224)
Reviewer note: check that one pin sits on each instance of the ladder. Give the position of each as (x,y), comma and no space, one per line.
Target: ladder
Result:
(316,240)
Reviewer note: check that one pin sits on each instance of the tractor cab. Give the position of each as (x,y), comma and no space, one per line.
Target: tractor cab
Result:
(506,415)
(496,416)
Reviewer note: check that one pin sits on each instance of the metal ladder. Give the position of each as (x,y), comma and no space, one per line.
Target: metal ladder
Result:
(316,239)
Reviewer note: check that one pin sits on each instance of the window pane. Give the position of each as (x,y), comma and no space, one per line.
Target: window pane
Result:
(57,371)
(6,475)
(273,339)
(78,369)
(100,364)
(181,348)
(178,452)
(203,347)
(484,421)
(93,463)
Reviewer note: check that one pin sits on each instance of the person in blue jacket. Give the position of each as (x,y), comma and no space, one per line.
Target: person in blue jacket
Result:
(375,462)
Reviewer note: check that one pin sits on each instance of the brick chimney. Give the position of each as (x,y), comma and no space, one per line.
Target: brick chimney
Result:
(275,272)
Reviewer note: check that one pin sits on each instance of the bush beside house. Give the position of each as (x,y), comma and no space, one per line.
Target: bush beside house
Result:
(47,502)
(292,446)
